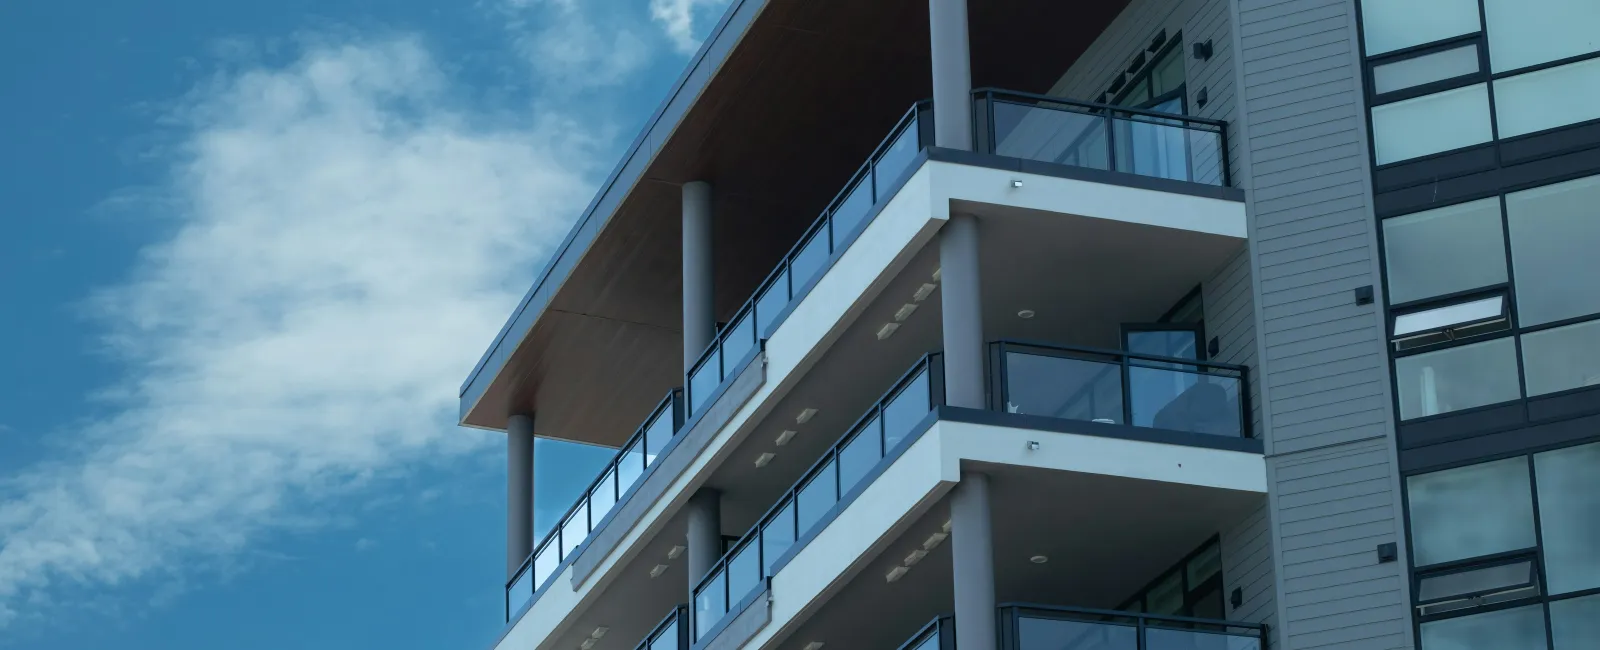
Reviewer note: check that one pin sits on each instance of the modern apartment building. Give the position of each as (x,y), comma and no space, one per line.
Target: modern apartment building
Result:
(1114,325)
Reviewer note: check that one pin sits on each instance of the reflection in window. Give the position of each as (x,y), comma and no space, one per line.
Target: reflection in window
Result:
(1470,511)
(1575,623)
(1457,378)
(1569,516)
(1423,251)
(1425,69)
(1431,124)
(1563,358)
(1553,232)
(1547,99)
(1529,32)
(1521,628)
(1390,25)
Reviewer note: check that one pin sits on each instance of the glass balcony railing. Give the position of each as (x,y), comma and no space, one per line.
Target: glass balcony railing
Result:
(1065,628)
(672,633)
(939,634)
(1117,387)
(1098,136)
(863,448)
(828,236)
(607,490)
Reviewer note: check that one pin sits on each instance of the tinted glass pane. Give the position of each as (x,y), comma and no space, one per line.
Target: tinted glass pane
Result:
(1184,401)
(809,261)
(1168,639)
(1166,597)
(1490,578)
(667,639)
(930,643)
(1528,32)
(1074,389)
(1425,69)
(896,160)
(1205,160)
(1457,378)
(816,498)
(744,572)
(776,537)
(1430,124)
(1547,99)
(770,305)
(658,435)
(630,466)
(1575,623)
(710,603)
(1389,25)
(859,455)
(1569,516)
(1047,634)
(1151,147)
(1181,344)
(1208,604)
(545,563)
(1428,321)
(1470,511)
(704,381)
(1423,250)
(1562,358)
(574,531)
(520,592)
(905,410)
(603,496)
(1553,231)
(1208,563)
(1050,134)
(740,341)
(1167,75)
(847,216)
(1512,629)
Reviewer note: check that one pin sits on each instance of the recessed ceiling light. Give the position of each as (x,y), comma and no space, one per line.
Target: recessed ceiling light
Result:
(764,458)
(915,557)
(785,437)
(814,645)
(600,632)
(1038,559)
(657,570)
(934,540)
(905,311)
(895,574)
(805,416)
(887,330)
(923,292)
(675,552)
(1026,313)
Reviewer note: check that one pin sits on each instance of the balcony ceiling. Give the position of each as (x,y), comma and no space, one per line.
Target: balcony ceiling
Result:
(795,107)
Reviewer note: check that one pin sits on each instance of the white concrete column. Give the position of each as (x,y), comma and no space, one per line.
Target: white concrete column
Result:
(704,534)
(519,491)
(962,312)
(972,557)
(699,312)
(952,74)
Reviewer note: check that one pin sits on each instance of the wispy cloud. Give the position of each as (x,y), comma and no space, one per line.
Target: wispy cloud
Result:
(577,44)
(348,235)
(685,20)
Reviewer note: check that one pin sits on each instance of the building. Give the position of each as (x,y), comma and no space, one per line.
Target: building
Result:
(1130,324)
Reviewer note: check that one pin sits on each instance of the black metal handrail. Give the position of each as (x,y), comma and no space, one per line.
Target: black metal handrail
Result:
(1127,365)
(674,629)
(610,485)
(1098,144)
(938,634)
(1109,621)
(785,512)
(826,237)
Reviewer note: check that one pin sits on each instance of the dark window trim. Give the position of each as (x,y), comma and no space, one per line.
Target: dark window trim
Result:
(1181,568)
(1507,313)
(1527,555)
(1369,71)
(1126,82)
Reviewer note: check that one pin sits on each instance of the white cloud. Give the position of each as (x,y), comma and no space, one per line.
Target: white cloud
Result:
(679,19)
(348,237)
(564,45)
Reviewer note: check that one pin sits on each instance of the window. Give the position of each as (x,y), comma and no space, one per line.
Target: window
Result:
(1449,322)
(1529,32)
(1561,359)
(1547,99)
(1470,511)
(1553,234)
(1457,378)
(1428,68)
(1432,124)
(1569,516)
(1192,587)
(1521,628)
(1423,250)
(1575,623)
(1391,25)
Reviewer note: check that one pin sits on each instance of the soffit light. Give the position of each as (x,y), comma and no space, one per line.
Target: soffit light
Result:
(887,330)
(905,312)
(764,458)
(805,416)
(1026,313)
(1038,559)
(675,552)
(785,437)
(814,645)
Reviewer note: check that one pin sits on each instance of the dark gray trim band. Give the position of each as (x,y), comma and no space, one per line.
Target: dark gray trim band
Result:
(1099,429)
(1085,174)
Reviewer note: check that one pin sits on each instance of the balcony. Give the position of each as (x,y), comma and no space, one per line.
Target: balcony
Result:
(1036,627)
(939,634)
(672,633)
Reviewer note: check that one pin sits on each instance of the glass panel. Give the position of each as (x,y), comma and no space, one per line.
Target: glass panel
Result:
(1208,563)
(630,466)
(1152,146)
(930,643)
(1166,597)
(1181,344)
(1184,401)
(1205,158)
(520,592)
(1158,638)
(1430,124)
(658,435)
(1486,579)
(1167,75)
(744,572)
(1424,69)
(1553,231)
(771,304)
(895,160)
(816,498)
(905,410)
(1470,511)
(1050,634)
(705,379)
(574,531)
(776,537)
(1074,389)
(809,261)
(710,603)
(1529,32)
(848,214)
(1569,516)
(858,456)
(1423,250)
(1562,358)
(1510,629)
(1389,25)
(1548,99)
(1449,316)
(1137,95)
(1457,378)
(667,639)
(602,497)
(1575,623)
(1050,135)
(1209,604)
(741,339)
(545,563)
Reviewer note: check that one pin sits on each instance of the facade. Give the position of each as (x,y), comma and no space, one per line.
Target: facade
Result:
(1127,325)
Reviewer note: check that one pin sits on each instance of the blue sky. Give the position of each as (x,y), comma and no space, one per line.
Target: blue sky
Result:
(249,252)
